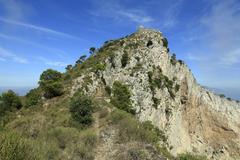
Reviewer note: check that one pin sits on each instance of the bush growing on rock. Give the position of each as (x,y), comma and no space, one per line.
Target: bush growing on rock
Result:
(173,59)
(165,42)
(99,67)
(222,95)
(111,60)
(121,97)
(51,83)
(92,50)
(124,59)
(108,90)
(69,67)
(81,108)
(131,129)
(181,62)
(81,59)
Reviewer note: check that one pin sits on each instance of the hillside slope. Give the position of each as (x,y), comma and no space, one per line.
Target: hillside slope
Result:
(165,92)
(145,105)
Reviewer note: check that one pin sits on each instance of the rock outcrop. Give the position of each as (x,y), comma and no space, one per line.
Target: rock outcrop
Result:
(165,92)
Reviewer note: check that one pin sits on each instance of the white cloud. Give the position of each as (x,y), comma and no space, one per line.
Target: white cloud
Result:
(52,63)
(135,17)
(7,55)
(171,13)
(222,23)
(38,28)
(56,51)
(14,9)
(120,13)
(195,57)
(16,13)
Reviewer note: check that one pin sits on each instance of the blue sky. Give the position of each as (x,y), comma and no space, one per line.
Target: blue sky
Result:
(36,35)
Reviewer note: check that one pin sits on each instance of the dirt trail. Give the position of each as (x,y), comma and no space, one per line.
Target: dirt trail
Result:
(106,137)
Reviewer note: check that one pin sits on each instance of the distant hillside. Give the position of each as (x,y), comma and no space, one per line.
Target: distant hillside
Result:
(21,91)
(233,93)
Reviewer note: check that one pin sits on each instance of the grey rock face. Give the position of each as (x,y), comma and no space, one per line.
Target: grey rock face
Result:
(194,119)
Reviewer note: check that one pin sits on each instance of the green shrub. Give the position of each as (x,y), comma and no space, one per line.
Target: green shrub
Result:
(108,90)
(177,87)
(155,102)
(84,149)
(169,84)
(171,93)
(150,80)
(69,67)
(173,59)
(168,111)
(111,59)
(181,62)
(117,115)
(168,50)
(53,90)
(156,134)
(33,97)
(130,129)
(13,147)
(92,50)
(81,108)
(165,42)
(81,59)
(137,68)
(188,156)
(157,82)
(99,67)
(51,83)
(9,101)
(222,95)
(150,75)
(121,97)
(124,60)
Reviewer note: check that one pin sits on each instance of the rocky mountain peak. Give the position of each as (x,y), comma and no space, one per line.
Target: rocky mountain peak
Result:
(164,91)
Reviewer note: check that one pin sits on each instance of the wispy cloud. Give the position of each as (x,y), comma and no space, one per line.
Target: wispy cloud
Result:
(16,13)
(195,57)
(52,63)
(223,24)
(135,17)
(32,43)
(2,59)
(119,12)
(38,28)
(14,9)
(171,13)
(7,55)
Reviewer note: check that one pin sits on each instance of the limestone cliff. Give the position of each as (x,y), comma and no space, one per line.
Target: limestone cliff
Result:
(165,92)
